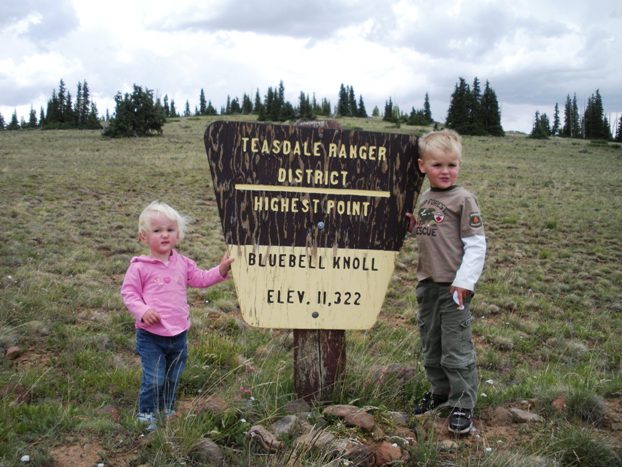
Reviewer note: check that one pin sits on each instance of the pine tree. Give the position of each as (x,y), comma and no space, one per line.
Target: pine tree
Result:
(14,124)
(69,118)
(61,101)
(491,115)
(360,111)
(325,107)
(202,103)
(569,119)
(375,111)
(235,107)
(417,117)
(388,111)
(541,126)
(136,115)
(287,112)
(458,114)
(258,105)
(476,117)
(594,122)
(32,118)
(555,129)
(305,110)
(187,109)
(247,105)
(165,106)
(352,109)
(343,109)
(92,120)
(266,110)
(619,130)
(576,121)
(2,122)
(427,112)
(210,109)
(173,110)
(79,109)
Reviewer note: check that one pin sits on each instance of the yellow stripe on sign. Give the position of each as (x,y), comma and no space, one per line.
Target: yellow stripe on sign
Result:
(307,189)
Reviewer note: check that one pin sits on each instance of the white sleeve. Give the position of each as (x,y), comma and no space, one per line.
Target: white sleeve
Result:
(472,262)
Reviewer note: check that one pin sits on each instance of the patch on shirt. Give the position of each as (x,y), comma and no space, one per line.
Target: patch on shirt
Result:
(475,220)
(430,216)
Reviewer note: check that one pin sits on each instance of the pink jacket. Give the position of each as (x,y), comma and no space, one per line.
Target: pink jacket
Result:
(149,283)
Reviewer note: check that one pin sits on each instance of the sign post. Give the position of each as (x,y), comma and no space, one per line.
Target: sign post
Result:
(314,218)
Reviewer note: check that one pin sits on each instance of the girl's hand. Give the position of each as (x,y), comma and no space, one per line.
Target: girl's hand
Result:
(225,264)
(150,317)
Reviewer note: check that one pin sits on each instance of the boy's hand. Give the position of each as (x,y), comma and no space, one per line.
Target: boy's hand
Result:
(150,317)
(459,295)
(225,264)
(411,221)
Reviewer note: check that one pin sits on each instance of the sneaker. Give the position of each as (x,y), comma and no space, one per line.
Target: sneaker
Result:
(148,419)
(429,402)
(460,421)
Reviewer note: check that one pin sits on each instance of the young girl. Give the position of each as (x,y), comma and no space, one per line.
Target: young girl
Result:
(154,290)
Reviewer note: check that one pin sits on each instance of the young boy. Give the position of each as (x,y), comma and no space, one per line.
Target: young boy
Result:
(452,248)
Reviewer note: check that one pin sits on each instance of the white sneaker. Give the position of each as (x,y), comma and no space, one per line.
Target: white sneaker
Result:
(148,419)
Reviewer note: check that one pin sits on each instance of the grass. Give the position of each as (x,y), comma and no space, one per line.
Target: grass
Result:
(547,311)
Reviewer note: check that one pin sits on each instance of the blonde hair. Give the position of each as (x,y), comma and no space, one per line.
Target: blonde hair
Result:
(158,208)
(443,140)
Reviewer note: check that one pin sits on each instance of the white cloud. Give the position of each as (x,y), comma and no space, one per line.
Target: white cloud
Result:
(533,53)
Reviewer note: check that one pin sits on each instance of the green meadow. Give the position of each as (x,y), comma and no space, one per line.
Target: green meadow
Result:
(548,312)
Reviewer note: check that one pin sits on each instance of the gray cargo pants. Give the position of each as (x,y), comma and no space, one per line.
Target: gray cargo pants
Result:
(448,350)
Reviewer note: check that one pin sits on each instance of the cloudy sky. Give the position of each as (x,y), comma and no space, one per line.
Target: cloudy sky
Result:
(533,52)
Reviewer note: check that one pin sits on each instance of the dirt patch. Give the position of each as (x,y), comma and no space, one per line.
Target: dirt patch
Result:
(81,454)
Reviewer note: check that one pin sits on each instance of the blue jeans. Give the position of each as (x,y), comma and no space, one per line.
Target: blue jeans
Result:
(163,359)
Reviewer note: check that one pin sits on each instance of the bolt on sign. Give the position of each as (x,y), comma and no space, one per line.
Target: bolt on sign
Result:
(314,217)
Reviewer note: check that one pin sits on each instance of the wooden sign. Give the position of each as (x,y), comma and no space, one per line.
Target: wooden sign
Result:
(314,218)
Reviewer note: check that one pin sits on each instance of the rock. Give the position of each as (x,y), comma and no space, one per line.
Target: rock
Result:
(352,416)
(448,445)
(38,327)
(285,426)
(208,452)
(214,404)
(13,352)
(315,438)
(297,406)
(268,442)
(559,404)
(360,454)
(500,416)
(503,343)
(523,416)
(386,453)
(399,418)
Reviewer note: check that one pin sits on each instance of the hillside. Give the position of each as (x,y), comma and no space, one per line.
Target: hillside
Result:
(548,317)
